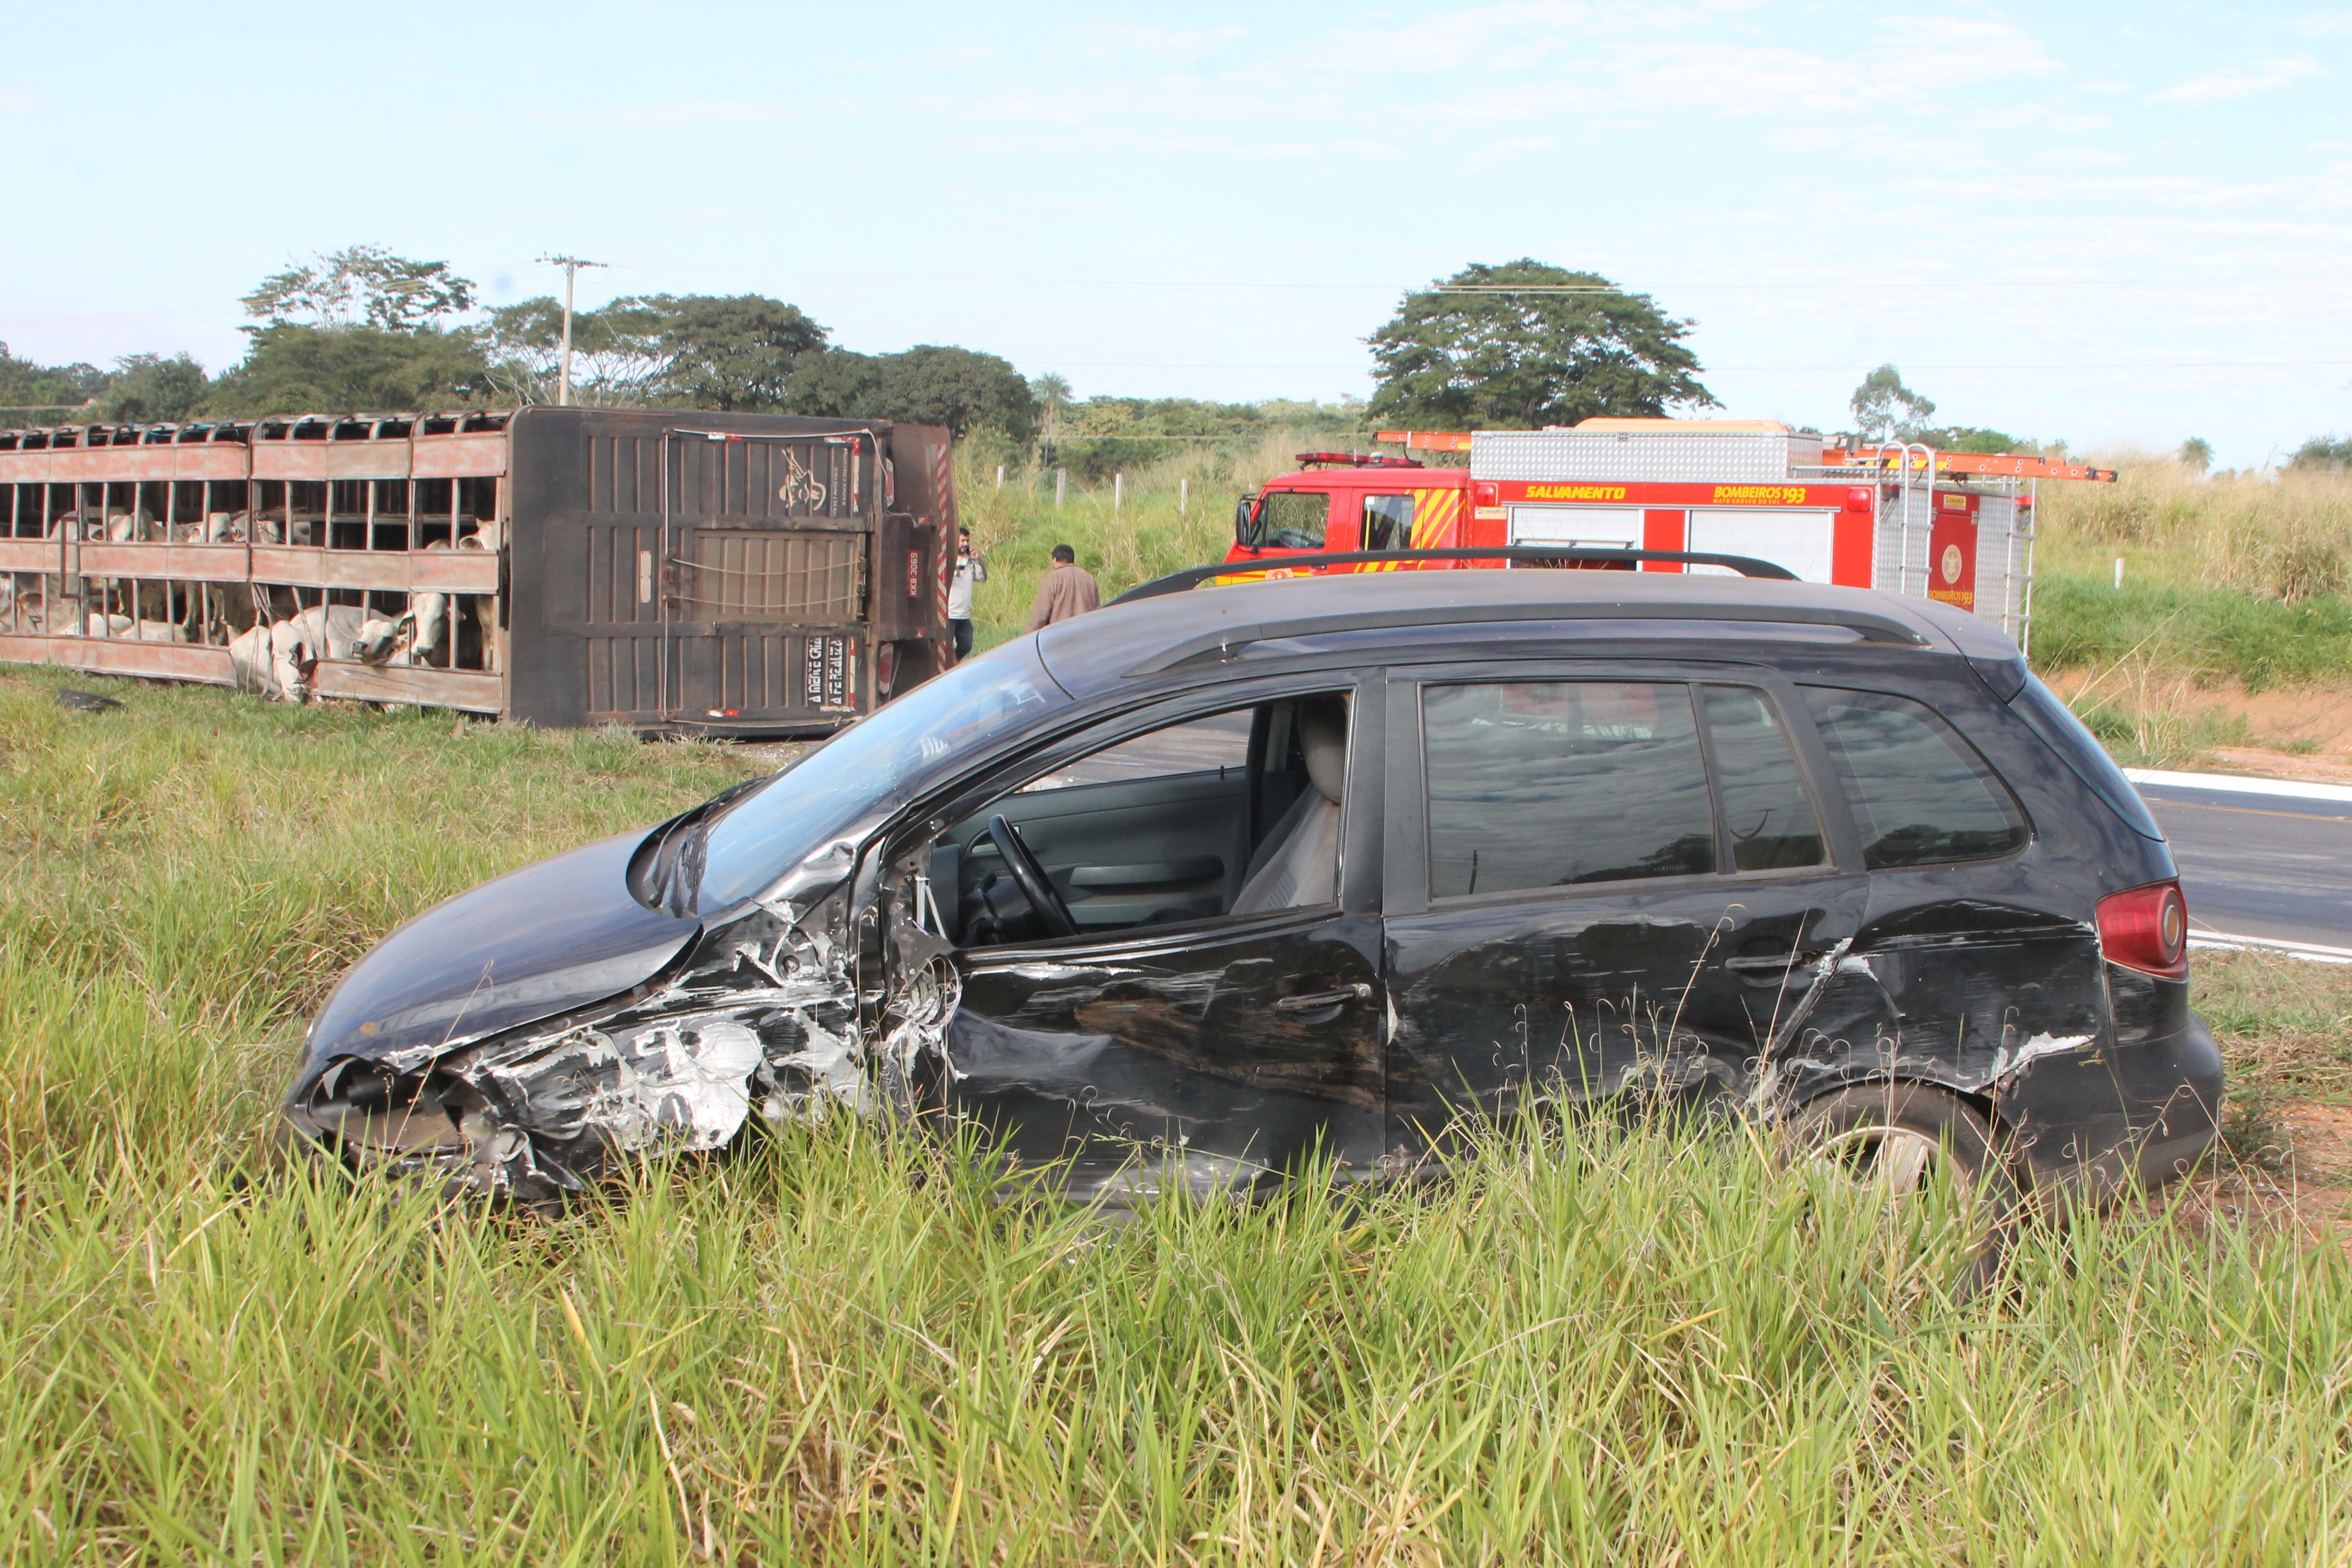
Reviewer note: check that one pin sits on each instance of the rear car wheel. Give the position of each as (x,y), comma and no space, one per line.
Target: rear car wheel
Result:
(1897,1137)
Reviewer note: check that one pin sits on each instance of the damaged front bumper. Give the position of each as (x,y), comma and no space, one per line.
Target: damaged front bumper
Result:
(761,1014)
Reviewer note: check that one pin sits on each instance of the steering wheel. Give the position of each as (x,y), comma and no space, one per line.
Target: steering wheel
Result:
(1031,878)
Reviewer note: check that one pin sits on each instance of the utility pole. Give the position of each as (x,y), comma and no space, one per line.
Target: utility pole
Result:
(572,266)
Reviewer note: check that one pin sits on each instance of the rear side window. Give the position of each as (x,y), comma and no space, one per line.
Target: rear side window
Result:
(1546,783)
(1920,794)
(1766,814)
(2063,733)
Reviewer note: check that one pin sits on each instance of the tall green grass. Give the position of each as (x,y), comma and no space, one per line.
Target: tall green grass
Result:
(839,1347)
(2237,578)
(2210,635)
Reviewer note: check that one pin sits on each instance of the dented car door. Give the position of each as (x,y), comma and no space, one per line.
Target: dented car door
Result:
(1206,1055)
(1605,881)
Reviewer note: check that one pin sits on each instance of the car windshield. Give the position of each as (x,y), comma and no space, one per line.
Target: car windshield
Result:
(883,759)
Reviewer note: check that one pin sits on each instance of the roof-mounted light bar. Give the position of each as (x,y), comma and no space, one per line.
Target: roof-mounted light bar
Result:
(1354,460)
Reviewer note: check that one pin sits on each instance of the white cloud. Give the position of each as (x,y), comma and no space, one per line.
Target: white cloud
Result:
(1982,47)
(1105,39)
(2038,117)
(1496,153)
(680,113)
(2220,87)
(2319,26)
(13,101)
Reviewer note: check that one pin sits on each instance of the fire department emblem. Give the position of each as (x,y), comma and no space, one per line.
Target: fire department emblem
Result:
(1951,563)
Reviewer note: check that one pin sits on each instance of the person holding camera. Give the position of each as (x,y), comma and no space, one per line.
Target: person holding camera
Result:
(968,569)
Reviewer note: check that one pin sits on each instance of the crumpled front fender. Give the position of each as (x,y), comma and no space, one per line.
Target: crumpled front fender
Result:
(759,1014)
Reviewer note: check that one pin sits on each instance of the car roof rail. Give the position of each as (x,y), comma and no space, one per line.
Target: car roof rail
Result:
(1192,577)
(1228,640)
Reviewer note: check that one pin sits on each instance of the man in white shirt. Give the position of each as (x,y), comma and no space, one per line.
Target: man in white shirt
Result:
(968,569)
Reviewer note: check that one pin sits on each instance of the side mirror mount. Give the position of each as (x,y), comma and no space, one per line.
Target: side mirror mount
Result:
(1245,516)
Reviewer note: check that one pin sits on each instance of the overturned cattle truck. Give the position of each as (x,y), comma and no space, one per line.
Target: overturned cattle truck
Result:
(665,570)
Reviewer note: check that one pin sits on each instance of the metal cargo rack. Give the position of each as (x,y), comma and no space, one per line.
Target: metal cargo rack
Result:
(664,570)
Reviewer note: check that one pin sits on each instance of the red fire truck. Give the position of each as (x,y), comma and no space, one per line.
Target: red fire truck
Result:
(1954,527)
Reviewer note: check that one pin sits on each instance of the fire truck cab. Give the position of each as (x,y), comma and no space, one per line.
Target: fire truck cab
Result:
(1952,527)
(1344,502)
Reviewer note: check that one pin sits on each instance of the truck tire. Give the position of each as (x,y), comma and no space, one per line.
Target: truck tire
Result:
(1898,1136)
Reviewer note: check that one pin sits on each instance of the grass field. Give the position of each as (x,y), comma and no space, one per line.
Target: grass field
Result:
(837,1347)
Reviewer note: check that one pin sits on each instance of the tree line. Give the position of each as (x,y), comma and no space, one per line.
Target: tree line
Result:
(362,328)
(1518,345)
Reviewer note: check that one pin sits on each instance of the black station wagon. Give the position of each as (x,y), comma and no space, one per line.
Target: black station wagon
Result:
(1185,893)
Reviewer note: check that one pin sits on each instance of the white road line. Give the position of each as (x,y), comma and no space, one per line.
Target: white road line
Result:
(2234,784)
(2314,952)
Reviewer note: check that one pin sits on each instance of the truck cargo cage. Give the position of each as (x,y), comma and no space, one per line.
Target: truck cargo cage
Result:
(667,571)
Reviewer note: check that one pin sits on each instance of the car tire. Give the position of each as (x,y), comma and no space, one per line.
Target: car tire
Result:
(1898,1134)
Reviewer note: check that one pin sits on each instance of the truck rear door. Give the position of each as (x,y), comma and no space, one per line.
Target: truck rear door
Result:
(764,544)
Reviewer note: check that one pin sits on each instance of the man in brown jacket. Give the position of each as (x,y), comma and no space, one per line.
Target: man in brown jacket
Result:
(1069,590)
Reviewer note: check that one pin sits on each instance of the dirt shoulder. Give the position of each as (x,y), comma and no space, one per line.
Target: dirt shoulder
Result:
(2284,1026)
(2301,733)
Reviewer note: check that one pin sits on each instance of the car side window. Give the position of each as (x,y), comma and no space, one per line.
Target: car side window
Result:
(1388,523)
(1219,743)
(1920,794)
(1294,519)
(1557,783)
(1766,812)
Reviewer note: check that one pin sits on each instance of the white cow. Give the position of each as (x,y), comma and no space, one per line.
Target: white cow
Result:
(98,624)
(279,660)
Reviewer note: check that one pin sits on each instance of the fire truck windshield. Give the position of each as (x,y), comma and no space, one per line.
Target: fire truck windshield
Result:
(1294,519)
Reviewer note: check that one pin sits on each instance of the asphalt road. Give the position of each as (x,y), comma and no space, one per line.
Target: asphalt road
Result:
(2256,863)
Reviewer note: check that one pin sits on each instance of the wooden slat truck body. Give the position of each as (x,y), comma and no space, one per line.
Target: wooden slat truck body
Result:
(665,570)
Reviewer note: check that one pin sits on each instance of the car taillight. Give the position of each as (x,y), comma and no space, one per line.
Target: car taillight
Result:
(2146,929)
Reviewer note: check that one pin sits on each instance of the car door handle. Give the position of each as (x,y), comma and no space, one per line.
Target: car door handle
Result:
(1315,1001)
(1770,962)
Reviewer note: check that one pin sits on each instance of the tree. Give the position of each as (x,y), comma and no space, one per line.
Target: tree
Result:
(1884,407)
(150,389)
(960,388)
(618,360)
(1967,438)
(1524,344)
(835,384)
(25,386)
(2197,452)
(2323,452)
(360,284)
(928,384)
(734,352)
(1052,394)
(296,369)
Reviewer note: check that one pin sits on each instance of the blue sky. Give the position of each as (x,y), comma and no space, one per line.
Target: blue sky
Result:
(2101,221)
